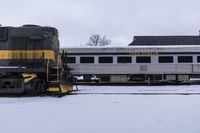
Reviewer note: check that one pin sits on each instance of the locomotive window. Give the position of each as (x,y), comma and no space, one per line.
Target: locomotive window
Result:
(185,59)
(143,59)
(72,60)
(3,33)
(124,59)
(198,59)
(105,59)
(166,59)
(86,59)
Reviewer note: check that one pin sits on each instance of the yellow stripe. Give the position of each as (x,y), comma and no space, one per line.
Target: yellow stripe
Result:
(27,54)
(62,89)
(53,89)
(28,77)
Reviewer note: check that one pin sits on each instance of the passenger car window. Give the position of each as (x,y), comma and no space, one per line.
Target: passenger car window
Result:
(198,59)
(72,60)
(105,59)
(143,59)
(124,59)
(185,59)
(165,59)
(86,59)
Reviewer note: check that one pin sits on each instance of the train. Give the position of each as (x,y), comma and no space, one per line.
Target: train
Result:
(147,60)
(30,61)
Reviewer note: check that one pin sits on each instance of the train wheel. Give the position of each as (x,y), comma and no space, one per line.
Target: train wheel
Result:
(36,86)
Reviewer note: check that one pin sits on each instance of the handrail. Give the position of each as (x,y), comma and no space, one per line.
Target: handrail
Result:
(48,70)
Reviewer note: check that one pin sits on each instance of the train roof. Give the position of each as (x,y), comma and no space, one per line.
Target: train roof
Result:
(165,40)
(167,48)
(132,47)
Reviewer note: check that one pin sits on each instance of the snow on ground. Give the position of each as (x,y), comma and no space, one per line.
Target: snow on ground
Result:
(93,112)
(140,89)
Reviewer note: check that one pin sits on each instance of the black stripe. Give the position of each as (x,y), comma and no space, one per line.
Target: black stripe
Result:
(98,53)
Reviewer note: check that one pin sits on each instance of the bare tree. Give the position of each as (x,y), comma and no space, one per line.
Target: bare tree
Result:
(96,40)
(104,41)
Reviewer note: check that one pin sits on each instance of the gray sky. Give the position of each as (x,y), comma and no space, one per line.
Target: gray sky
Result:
(119,20)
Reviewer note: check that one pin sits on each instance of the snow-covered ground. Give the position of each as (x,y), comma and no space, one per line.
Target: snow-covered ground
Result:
(91,111)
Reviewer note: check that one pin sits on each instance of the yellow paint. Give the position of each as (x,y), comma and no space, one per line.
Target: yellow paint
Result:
(27,54)
(66,89)
(54,89)
(62,89)
(28,77)
(59,57)
(143,53)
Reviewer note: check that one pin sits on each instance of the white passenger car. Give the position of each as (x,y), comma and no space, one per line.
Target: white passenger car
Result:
(136,63)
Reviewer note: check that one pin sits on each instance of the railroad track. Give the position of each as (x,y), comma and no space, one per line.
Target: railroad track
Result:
(147,90)
(152,93)
(137,84)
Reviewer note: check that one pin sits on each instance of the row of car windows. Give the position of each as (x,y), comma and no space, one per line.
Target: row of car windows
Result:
(139,59)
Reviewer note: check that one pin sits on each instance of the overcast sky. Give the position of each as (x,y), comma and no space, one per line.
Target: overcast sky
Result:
(119,20)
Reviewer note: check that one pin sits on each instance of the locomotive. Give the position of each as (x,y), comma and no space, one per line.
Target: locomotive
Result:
(30,62)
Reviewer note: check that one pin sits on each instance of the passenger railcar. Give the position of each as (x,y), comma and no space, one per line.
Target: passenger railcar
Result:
(135,64)
(30,61)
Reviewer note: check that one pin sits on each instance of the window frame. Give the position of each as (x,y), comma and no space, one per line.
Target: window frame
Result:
(178,59)
(111,62)
(149,57)
(128,62)
(70,60)
(159,60)
(198,60)
(92,57)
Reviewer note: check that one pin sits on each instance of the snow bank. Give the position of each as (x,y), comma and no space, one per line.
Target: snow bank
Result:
(98,113)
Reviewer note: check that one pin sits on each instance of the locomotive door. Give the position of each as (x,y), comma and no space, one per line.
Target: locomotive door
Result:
(34,47)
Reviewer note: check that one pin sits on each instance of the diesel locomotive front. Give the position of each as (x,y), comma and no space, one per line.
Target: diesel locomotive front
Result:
(30,61)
